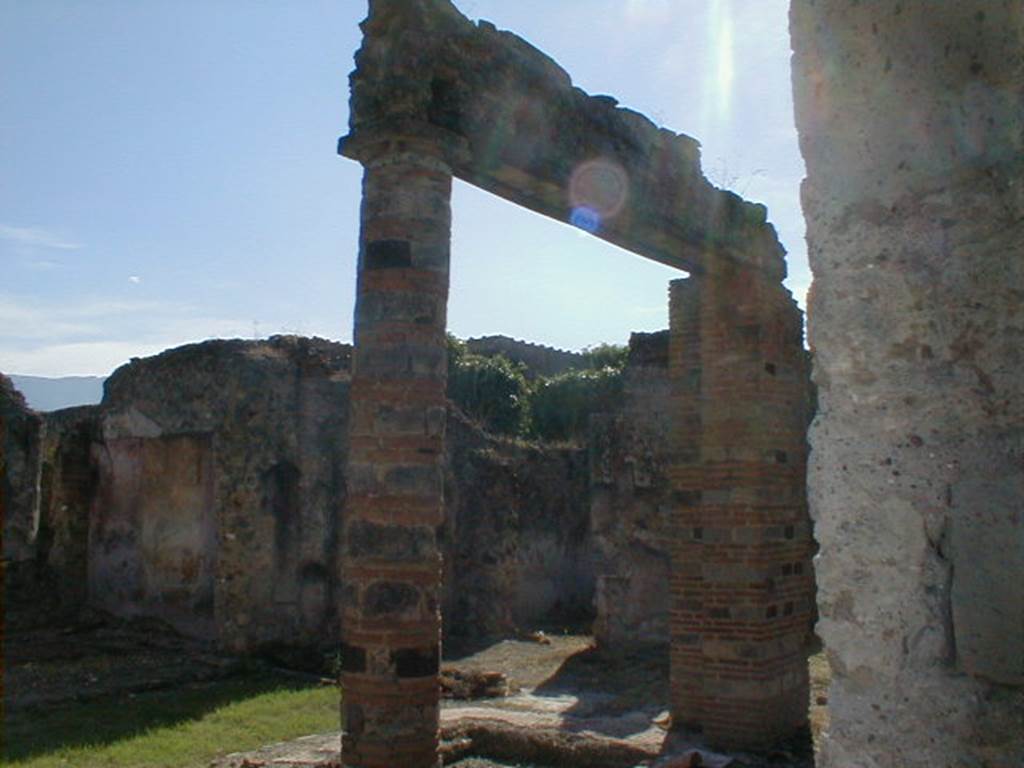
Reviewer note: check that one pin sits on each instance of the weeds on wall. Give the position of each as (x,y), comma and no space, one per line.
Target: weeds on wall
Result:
(496,393)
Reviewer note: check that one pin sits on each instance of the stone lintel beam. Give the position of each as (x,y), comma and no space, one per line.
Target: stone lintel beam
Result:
(538,141)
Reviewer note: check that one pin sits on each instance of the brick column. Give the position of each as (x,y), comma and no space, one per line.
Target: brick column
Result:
(743,591)
(391,562)
(686,584)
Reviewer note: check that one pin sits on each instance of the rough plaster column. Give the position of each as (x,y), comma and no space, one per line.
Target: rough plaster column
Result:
(391,560)
(911,120)
(742,582)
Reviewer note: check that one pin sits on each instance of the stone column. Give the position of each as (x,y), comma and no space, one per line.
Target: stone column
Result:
(910,117)
(742,582)
(391,561)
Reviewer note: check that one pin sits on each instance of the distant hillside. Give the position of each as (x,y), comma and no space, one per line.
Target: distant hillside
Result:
(46,394)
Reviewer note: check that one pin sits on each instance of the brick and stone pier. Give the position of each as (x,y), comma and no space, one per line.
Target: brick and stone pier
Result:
(742,585)
(391,562)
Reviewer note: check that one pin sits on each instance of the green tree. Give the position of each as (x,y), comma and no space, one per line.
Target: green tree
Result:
(606,356)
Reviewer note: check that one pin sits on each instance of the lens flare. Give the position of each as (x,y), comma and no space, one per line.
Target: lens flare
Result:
(721,66)
(726,57)
(586,219)
(598,190)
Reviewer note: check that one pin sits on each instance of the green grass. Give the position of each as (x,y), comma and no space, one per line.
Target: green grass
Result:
(182,728)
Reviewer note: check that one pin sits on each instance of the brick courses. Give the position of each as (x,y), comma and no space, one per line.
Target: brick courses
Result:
(434,95)
(391,562)
(742,585)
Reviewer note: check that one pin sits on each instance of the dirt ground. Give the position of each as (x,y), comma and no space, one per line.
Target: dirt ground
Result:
(98,657)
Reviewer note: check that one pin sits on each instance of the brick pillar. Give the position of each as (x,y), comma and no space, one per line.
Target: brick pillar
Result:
(686,599)
(391,561)
(742,586)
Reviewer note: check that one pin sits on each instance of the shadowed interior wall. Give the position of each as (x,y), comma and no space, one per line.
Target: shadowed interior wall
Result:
(631,502)
(152,533)
(517,539)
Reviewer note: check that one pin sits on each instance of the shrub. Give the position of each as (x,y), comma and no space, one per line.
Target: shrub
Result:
(491,390)
(562,405)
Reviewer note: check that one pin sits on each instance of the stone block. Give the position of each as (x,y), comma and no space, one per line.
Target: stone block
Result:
(390,598)
(390,542)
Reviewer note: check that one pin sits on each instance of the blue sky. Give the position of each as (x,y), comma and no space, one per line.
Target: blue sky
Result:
(170,175)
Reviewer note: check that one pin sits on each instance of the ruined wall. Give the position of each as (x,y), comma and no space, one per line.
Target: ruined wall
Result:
(517,545)
(20,430)
(68,486)
(539,360)
(631,502)
(206,490)
(546,532)
(208,487)
(912,127)
(47,491)
(220,489)
(20,442)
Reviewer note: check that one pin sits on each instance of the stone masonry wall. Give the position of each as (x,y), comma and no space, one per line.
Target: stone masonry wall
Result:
(145,499)
(631,503)
(911,120)
(220,488)
(48,483)
(68,488)
(20,439)
(132,502)
(517,543)
(20,430)
(539,360)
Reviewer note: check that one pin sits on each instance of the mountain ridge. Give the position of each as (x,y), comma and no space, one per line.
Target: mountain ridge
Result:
(45,393)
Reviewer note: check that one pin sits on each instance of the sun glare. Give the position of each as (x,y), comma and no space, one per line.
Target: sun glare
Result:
(721,52)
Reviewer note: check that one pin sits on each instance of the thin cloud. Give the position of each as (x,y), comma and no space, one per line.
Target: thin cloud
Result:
(23,319)
(646,12)
(94,335)
(36,237)
(43,264)
(85,358)
(27,324)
